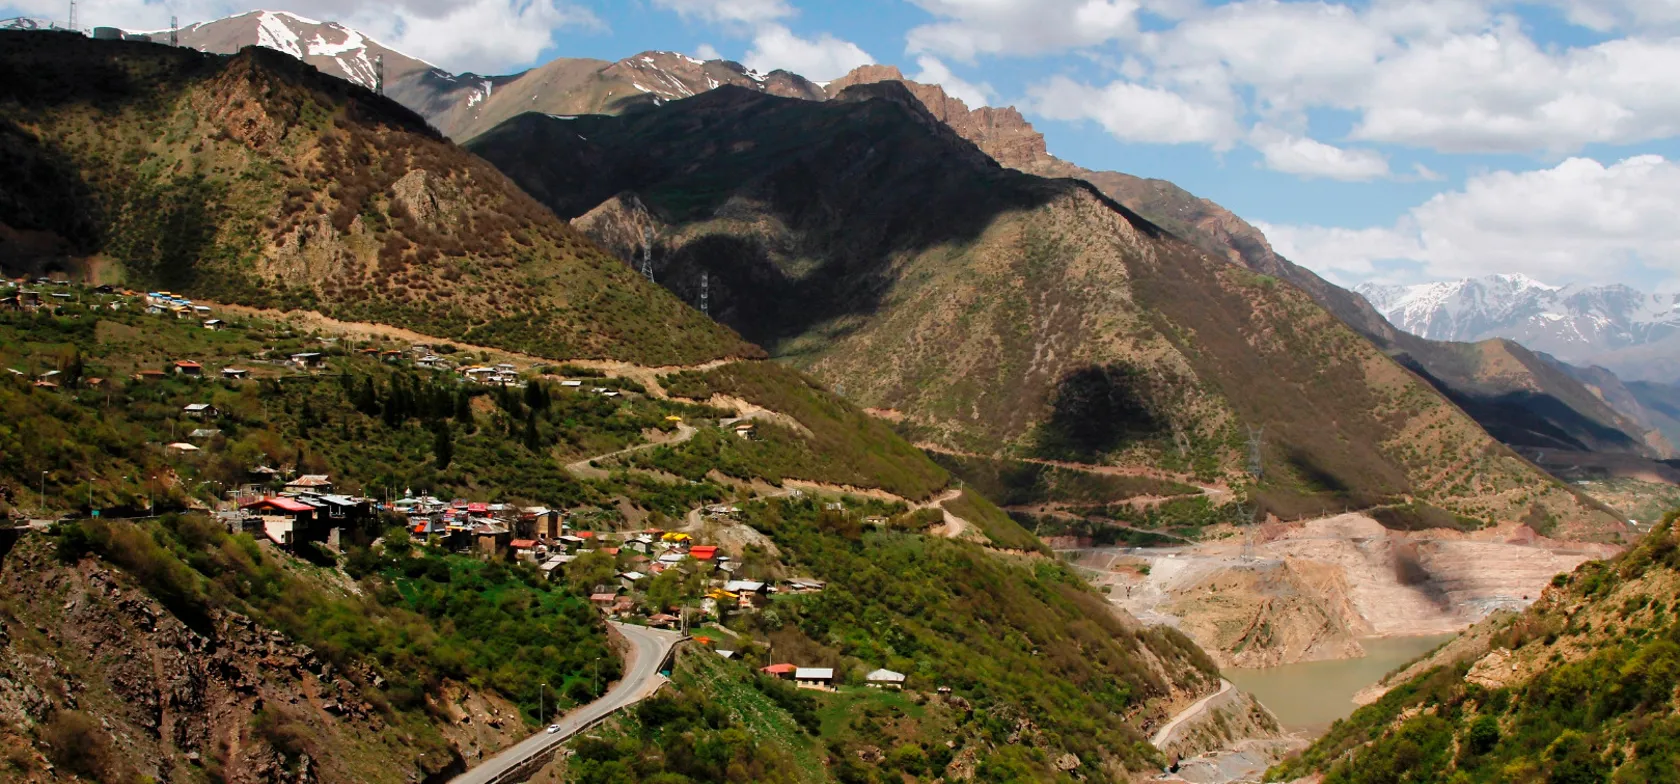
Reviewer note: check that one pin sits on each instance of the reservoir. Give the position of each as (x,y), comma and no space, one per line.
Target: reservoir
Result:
(1311,695)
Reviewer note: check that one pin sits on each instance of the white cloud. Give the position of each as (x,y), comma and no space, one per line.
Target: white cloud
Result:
(1291,154)
(819,60)
(485,36)
(1136,113)
(708,52)
(748,12)
(973,27)
(1579,220)
(1605,15)
(935,72)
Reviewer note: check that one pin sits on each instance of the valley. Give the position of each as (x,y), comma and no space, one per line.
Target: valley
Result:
(744,428)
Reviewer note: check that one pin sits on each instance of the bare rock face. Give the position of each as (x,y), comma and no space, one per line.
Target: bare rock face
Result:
(1493,671)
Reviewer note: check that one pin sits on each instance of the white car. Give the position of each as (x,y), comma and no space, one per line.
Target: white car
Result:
(553,728)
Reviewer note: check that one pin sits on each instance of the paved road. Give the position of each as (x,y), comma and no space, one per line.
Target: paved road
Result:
(648,649)
(1164,737)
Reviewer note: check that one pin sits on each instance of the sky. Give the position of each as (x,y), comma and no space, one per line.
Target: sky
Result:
(1391,141)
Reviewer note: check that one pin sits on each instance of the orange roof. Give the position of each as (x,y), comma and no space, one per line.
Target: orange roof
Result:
(520,544)
(585,534)
(278,502)
(704,552)
(779,669)
(187,363)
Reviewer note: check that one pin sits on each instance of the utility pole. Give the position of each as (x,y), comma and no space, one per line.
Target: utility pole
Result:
(72,24)
(44,491)
(541,714)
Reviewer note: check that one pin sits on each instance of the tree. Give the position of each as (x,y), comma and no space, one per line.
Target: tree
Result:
(443,444)
(533,437)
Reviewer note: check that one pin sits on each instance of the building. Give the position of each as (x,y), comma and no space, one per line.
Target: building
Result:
(187,367)
(524,549)
(149,375)
(235,373)
(540,521)
(285,521)
(783,671)
(200,411)
(819,678)
(311,483)
(703,552)
(181,448)
(214,324)
(885,679)
(309,359)
(629,580)
(203,433)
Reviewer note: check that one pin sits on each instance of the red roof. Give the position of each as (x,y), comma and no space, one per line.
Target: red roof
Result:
(278,502)
(602,597)
(779,669)
(187,363)
(478,507)
(585,534)
(523,544)
(610,550)
(704,552)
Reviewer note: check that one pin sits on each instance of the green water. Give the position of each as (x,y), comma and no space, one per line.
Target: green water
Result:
(1312,695)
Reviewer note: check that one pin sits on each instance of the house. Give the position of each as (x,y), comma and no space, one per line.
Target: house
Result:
(603,600)
(703,552)
(203,433)
(662,620)
(312,483)
(149,375)
(746,430)
(629,580)
(214,324)
(181,448)
(285,521)
(341,510)
(235,373)
(885,679)
(490,540)
(263,473)
(524,549)
(803,585)
(819,678)
(201,310)
(571,383)
(544,522)
(783,671)
(199,410)
(309,359)
(187,367)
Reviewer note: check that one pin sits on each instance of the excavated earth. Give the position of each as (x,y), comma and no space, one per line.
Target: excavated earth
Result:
(1291,592)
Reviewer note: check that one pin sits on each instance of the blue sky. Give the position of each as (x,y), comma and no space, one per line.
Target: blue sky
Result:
(1385,140)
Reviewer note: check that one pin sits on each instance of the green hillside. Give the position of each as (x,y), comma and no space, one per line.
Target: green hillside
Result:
(1579,688)
(256,179)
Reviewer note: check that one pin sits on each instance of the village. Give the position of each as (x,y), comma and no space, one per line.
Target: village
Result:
(667,579)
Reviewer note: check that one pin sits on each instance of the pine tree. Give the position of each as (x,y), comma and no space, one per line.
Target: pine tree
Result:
(533,439)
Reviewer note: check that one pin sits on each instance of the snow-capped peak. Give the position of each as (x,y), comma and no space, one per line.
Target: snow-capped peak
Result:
(1574,322)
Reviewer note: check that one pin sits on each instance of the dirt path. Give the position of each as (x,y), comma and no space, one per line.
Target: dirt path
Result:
(646,375)
(583,470)
(1216,493)
(1164,736)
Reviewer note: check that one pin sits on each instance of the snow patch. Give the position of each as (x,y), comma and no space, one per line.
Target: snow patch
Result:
(274,33)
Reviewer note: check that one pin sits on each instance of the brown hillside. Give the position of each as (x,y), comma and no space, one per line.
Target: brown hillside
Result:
(1001,312)
(256,179)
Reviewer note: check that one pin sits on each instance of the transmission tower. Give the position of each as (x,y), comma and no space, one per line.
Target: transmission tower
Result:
(1256,469)
(647,253)
(705,293)
(174,31)
(72,24)
(379,74)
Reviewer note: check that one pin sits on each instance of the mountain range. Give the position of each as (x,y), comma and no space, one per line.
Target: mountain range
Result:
(1521,403)
(1636,334)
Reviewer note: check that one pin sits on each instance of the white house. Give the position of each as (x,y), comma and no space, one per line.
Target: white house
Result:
(885,679)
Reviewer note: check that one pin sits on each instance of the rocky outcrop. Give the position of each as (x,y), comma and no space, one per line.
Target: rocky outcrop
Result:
(96,670)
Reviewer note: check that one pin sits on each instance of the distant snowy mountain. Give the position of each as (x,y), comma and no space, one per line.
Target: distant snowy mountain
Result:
(1636,334)
(329,46)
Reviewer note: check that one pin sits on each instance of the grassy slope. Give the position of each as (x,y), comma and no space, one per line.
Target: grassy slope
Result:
(1586,695)
(257,179)
(1002,312)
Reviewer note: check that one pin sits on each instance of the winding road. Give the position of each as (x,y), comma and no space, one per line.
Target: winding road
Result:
(583,470)
(648,649)
(1164,736)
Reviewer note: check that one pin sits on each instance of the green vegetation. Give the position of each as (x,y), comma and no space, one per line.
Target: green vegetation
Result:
(1418,516)
(1022,640)
(841,444)
(1603,648)
(1021,482)
(998,527)
(374,427)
